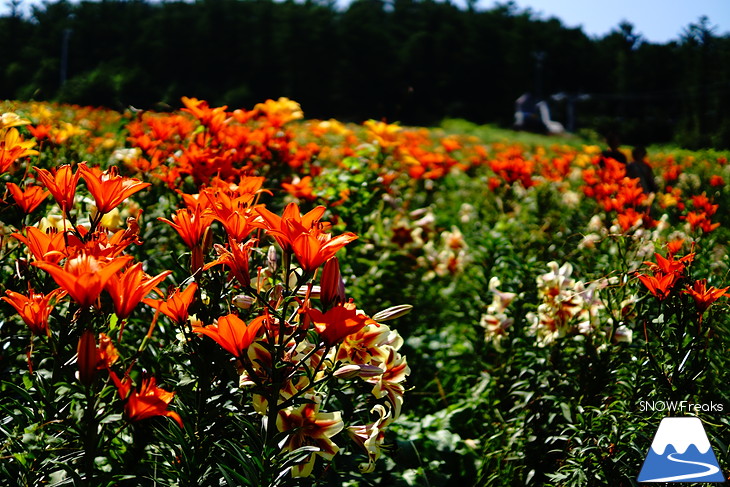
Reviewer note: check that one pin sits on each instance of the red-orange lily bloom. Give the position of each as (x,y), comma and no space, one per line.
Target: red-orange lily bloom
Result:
(290,224)
(145,402)
(29,198)
(301,188)
(236,258)
(669,265)
(659,285)
(232,333)
(314,248)
(704,296)
(700,220)
(176,306)
(235,216)
(338,322)
(84,276)
(129,288)
(62,185)
(46,247)
(304,235)
(109,189)
(33,309)
(107,352)
(213,118)
(675,246)
(190,225)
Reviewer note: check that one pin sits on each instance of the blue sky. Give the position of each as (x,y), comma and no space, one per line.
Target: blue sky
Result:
(657,20)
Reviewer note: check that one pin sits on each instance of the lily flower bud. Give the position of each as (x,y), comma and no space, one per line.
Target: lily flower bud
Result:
(87,357)
(393,312)
(196,260)
(332,287)
(243,301)
(271,259)
(351,371)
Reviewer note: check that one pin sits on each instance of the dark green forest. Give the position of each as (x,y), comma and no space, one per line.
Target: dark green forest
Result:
(412,61)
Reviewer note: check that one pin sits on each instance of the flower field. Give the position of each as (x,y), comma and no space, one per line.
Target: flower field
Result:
(218,296)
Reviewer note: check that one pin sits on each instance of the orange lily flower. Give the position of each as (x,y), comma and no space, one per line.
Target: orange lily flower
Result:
(304,235)
(190,225)
(704,296)
(28,199)
(314,248)
(107,352)
(128,289)
(716,181)
(176,306)
(702,202)
(659,285)
(212,118)
(13,147)
(146,401)
(300,188)
(232,333)
(249,186)
(245,191)
(236,259)
(84,276)
(235,214)
(46,247)
(40,131)
(202,199)
(33,309)
(338,322)
(193,226)
(62,185)
(627,218)
(675,246)
(101,244)
(669,265)
(109,189)
(290,224)
(701,220)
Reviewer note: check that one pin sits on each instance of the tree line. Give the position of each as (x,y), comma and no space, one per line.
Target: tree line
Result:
(413,61)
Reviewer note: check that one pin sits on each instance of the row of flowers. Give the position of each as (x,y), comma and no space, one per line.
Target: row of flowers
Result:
(201,143)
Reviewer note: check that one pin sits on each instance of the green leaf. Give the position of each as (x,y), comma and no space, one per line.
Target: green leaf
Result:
(566,411)
(113,322)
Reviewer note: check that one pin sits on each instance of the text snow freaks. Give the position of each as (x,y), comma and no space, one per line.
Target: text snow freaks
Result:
(680,406)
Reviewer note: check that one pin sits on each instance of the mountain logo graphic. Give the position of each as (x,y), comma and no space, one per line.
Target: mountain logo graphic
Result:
(681,452)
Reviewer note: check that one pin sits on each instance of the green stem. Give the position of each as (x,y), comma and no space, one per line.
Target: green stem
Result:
(91,437)
(274,349)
